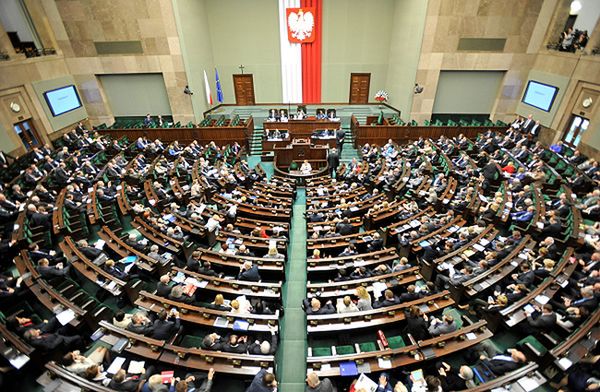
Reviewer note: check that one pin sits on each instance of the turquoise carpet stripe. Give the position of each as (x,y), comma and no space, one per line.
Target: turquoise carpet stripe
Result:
(291,358)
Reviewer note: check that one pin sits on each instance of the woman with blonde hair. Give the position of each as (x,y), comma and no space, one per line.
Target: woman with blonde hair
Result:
(364,299)
(219,303)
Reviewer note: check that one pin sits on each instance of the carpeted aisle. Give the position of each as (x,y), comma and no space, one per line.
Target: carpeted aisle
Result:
(291,357)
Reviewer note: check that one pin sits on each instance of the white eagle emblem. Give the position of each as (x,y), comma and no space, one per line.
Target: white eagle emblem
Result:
(301,24)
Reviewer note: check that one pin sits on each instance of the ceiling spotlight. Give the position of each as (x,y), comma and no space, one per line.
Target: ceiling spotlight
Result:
(187,91)
(418,89)
(575,7)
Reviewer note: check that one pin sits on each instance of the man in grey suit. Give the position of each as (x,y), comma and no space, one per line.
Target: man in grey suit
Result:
(440,327)
(544,322)
(333,159)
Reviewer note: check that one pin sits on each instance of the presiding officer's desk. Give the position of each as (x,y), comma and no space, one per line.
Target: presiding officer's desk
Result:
(302,128)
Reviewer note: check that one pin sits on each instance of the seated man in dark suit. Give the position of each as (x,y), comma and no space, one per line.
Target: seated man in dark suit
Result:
(389,299)
(36,254)
(121,382)
(163,288)
(51,341)
(314,307)
(249,272)
(39,217)
(540,321)
(502,363)
(110,267)
(552,229)
(139,245)
(140,324)
(376,244)
(88,251)
(213,342)
(72,205)
(410,295)
(166,325)
(265,347)
(48,272)
(236,344)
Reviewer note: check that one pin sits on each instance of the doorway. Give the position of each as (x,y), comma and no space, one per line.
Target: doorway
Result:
(27,133)
(243,86)
(359,87)
(575,130)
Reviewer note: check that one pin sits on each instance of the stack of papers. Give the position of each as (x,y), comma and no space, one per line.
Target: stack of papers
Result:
(365,383)
(66,316)
(136,367)
(116,365)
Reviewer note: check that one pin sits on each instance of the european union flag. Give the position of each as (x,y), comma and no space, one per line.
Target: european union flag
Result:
(219,91)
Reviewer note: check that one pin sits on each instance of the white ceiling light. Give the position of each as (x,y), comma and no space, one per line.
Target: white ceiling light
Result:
(575,7)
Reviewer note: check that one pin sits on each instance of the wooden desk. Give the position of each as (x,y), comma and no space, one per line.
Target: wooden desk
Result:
(204,135)
(299,150)
(205,316)
(376,317)
(404,356)
(302,128)
(380,134)
(56,370)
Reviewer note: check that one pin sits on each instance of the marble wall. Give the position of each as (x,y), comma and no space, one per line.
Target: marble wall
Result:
(151,22)
(448,21)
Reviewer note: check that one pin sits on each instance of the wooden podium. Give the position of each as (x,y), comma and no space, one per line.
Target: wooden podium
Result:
(299,150)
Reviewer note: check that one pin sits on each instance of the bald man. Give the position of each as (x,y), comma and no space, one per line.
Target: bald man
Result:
(313,384)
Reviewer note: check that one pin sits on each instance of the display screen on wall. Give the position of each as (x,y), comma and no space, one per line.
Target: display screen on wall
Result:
(540,95)
(62,100)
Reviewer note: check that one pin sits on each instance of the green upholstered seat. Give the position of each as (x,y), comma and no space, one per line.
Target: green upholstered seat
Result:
(191,341)
(396,342)
(321,351)
(367,347)
(539,348)
(344,350)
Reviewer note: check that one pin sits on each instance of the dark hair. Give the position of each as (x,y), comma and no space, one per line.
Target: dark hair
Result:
(162,315)
(12,323)
(91,372)
(433,382)
(268,378)
(67,359)
(120,315)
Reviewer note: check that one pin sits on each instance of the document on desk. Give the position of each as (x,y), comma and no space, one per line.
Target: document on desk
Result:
(136,367)
(528,383)
(384,363)
(18,361)
(66,316)
(365,383)
(116,365)
(564,363)
(379,288)
(479,247)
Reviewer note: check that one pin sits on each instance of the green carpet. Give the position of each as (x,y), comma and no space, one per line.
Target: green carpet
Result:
(291,358)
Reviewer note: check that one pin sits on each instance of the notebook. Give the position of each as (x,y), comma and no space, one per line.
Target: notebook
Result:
(240,325)
(167,376)
(348,368)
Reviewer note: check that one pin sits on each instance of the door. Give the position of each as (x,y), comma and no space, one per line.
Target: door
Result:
(27,133)
(359,87)
(577,126)
(244,89)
